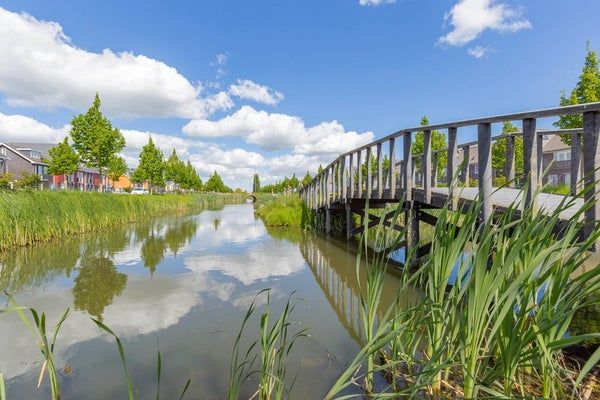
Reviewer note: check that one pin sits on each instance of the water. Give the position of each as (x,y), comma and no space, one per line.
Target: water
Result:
(182,283)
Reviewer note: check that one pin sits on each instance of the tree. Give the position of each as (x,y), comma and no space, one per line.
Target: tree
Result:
(116,169)
(587,90)
(96,285)
(215,184)
(151,167)
(307,179)
(438,142)
(174,168)
(320,169)
(94,138)
(63,159)
(255,184)
(499,149)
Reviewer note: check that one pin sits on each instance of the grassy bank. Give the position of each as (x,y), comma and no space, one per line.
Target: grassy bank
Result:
(31,216)
(281,211)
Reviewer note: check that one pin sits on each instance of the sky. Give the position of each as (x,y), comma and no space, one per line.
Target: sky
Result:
(279,87)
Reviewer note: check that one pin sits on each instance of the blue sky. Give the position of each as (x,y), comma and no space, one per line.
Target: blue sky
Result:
(277,87)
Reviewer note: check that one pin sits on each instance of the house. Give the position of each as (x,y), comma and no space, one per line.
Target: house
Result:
(557,155)
(123,183)
(19,159)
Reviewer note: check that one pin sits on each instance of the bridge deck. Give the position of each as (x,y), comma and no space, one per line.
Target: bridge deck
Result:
(502,198)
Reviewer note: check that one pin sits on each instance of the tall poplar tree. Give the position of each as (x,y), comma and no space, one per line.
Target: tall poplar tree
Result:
(151,167)
(95,139)
(438,142)
(255,184)
(587,90)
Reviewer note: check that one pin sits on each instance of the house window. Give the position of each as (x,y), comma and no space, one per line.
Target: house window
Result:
(567,179)
(3,151)
(476,169)
(562,156)
(553,180)
(35,154)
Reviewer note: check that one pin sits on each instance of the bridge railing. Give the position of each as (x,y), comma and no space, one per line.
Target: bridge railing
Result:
(378,170)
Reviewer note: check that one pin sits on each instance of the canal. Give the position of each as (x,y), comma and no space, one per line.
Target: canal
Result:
(182,284)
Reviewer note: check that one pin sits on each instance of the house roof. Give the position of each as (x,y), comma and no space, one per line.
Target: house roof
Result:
(554,143)
(43,148)
(20,154)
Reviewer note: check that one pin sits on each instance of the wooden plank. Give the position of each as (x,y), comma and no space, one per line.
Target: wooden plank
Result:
(591,162)
(576,177)
(451,167)
(369,172)
(539,148)
(426,166)
(392,169)
(509,167)
(408,169)
(379,172)
(484,149)
(530,164)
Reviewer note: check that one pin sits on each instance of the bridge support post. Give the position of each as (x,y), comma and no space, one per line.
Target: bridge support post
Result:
(591,161)
(327,220)
(349,221)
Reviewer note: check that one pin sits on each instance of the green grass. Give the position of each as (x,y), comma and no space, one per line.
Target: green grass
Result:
(27,217)
(282,211)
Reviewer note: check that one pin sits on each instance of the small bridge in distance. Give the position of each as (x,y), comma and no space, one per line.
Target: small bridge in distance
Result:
(341,190)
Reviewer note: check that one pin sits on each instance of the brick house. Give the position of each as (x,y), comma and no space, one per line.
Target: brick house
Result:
(19,159)
(559,154)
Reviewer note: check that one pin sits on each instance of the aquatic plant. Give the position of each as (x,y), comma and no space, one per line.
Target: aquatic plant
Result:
(274,344)
(283,210)
(27,217)
(44,342)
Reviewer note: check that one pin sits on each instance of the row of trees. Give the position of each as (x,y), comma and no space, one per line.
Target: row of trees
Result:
(94,142)
(284,185)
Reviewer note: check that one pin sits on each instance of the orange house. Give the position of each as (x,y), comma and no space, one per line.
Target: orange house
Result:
(124,182)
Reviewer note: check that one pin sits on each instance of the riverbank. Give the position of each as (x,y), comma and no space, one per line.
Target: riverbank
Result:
(28,217)
(281,211)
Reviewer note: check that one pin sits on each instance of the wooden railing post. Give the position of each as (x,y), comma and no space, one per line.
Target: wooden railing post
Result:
(484,149)
(509,166)
(591,163)
(369,172)
(530,164)
(576,163)
(465,166)
(410,216)
(426,166)
(451,167)
(359,173)
(344,179)
(379,172)
(351,172)
(392,169)
(434,169)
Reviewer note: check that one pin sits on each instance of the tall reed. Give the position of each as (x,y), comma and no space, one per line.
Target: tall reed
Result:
(27,217)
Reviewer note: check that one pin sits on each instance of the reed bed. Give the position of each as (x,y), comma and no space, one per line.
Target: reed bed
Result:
(284,210)
(27,217)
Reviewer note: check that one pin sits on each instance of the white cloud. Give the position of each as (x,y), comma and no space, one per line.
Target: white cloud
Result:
(375,2)
(478,51)
(470,18)
(220,59)
(135,140)
(42,68)
(246,89)
(19,128)
(273,131)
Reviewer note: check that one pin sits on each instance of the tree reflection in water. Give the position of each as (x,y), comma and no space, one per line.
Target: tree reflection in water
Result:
(96,285)
(178,233)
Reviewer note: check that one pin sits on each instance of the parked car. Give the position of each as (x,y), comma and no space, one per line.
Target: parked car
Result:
(140,191)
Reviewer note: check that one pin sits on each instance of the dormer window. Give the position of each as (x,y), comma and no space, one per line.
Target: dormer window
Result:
(34,154)
(562,156)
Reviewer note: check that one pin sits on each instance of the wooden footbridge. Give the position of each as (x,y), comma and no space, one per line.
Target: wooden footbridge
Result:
(342,188)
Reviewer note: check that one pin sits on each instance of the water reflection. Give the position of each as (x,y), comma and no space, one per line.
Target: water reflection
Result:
(334,269)
(96,285)
(180,279)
